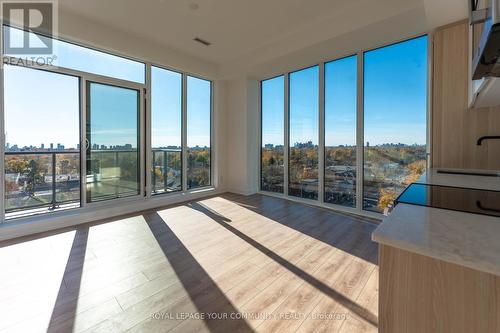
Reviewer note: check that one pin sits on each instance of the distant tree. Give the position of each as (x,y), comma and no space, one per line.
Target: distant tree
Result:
(416,169)
(34,176)
(64,166)
(17,165)
(386,198)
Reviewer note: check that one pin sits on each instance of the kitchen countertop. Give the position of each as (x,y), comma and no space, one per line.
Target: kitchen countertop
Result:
(465,239)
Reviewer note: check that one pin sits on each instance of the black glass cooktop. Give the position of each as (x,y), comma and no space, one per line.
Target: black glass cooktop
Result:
(484,202)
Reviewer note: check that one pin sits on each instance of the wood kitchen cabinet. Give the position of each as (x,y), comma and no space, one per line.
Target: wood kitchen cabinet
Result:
(421,294)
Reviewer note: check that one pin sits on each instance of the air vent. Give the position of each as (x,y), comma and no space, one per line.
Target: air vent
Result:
(202,41)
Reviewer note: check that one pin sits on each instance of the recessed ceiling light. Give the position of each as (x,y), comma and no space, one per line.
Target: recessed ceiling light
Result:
(194,6)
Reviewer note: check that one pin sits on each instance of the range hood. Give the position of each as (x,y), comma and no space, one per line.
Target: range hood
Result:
(485,71)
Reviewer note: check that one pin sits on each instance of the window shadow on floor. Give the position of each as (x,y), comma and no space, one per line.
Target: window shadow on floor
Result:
(206,296)
(65,307)
(307,220)
(325,289)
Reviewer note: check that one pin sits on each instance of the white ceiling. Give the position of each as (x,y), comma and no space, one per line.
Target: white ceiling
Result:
(239,28)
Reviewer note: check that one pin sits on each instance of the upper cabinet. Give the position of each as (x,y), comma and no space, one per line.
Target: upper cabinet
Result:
(484,51)
(455,129)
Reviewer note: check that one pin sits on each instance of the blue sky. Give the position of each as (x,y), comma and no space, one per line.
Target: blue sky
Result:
(198,112)
(273,104)
(51,113)
(396,93)
(41,107)
(304,103)
(395,99)
(166,112)
(113,115)
(340,102)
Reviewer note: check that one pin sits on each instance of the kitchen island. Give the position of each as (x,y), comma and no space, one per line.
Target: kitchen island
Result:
(440,269)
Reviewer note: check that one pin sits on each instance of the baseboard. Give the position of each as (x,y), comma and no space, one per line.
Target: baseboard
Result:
(60,220)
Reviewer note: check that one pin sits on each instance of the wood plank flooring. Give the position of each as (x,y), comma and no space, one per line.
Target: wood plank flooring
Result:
(224,264)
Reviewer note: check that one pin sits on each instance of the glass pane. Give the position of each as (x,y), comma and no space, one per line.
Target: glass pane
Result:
(340,132)
(395,120)
(85,59)
(304,106)
(42,130)
(113,141)
(67,177)
(198,132)
(166,126)
(273,125)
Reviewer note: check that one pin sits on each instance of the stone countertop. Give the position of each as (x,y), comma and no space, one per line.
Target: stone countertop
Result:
(465,239)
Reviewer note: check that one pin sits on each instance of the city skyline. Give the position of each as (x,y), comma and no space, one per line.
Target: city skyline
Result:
(55,147)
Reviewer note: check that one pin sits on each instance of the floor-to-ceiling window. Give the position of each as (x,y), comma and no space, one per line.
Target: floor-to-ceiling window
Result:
(166,130)
(42,136)
(395,120)
(199,110)
(372,150)
(273,138)
(121,123)
(303,133)
(340,131)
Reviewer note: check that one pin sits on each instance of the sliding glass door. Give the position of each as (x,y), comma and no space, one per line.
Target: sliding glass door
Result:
(113,142)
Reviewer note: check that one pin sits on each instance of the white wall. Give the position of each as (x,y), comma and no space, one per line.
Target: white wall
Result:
(242,131)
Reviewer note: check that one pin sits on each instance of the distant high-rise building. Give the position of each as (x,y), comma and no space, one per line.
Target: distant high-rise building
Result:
(51,146)
(78,146)
(7,145)
(367,144)
(42,146)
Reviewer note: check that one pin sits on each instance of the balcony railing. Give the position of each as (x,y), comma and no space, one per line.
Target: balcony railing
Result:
(41,179)
(166,172)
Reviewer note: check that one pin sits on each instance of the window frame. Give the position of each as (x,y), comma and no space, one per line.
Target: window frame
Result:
(149,129)
(144,198)
(259,122)
(319,124)
(358,210)
(212,182)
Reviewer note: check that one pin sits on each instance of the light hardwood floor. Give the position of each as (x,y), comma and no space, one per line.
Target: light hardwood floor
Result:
(282,266)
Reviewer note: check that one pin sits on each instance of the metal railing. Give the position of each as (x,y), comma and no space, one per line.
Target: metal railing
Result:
(33,177)
(38,180)
(167,158)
